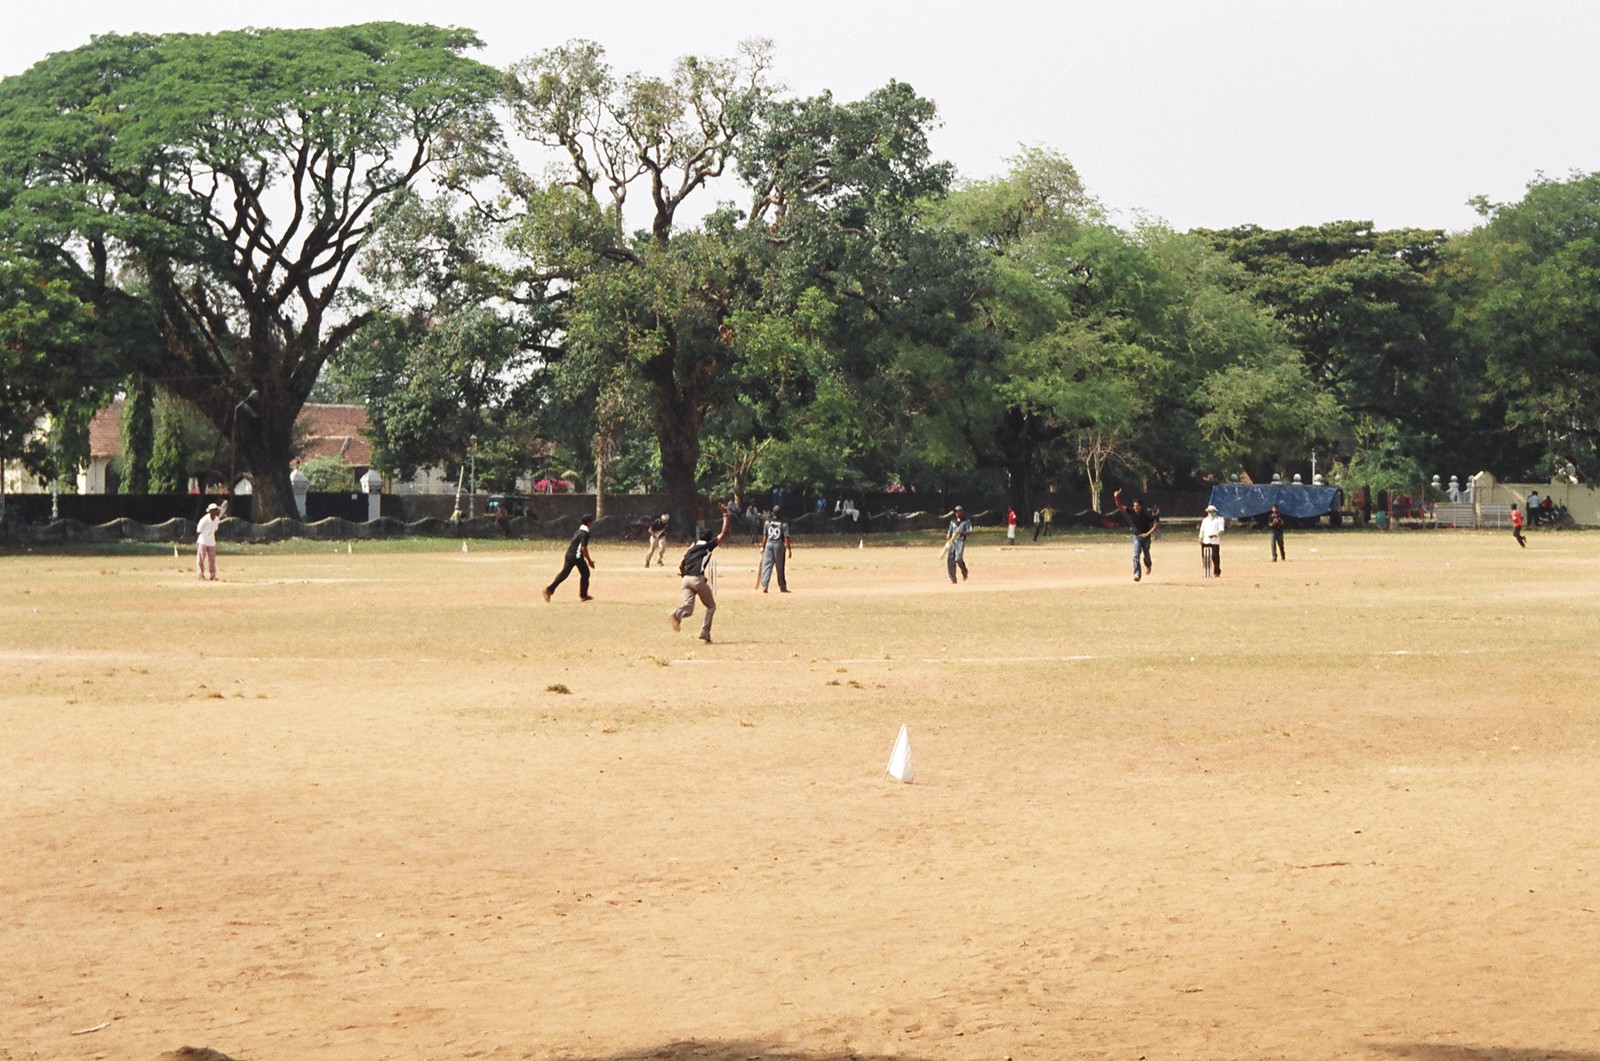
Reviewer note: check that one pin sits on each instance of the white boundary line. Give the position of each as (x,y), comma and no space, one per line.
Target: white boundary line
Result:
(1007,660)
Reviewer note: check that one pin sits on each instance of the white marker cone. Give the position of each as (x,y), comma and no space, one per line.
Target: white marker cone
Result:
(350,548)
(862,544)
(174,550)
(900,767)
(463,546)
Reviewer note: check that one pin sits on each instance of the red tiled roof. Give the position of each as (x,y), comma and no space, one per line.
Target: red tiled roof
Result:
(335,431)
(328,430)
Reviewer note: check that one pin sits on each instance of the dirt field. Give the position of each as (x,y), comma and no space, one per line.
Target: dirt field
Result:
(386,803)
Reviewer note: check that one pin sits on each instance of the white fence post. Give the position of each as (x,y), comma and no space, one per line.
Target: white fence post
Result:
(372,485)
(298,480)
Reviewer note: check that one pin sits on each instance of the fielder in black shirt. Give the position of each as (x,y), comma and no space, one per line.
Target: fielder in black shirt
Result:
(577,557)
(1143,523)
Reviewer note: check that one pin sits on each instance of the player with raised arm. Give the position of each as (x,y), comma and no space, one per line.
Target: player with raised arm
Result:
(696,569)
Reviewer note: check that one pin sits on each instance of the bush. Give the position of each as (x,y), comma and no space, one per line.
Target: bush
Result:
(329,475)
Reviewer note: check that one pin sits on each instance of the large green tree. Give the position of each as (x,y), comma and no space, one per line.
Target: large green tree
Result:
(1037,371)
(856,297)
(46,362)
(1115,346)
(430,386)
(1366,309)
(647,309)
(454,348)
(1528,305)
(237,176)
(681,318)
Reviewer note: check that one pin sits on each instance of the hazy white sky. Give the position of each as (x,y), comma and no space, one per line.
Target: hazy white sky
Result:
(1199,112)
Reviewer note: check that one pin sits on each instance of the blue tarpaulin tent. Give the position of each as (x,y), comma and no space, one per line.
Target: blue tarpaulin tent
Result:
(1241,501)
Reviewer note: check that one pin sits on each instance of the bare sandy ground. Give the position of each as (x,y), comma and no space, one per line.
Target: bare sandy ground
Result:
(388,804)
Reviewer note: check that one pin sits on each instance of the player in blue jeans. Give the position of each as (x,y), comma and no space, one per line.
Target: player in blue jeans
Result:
(1143,523)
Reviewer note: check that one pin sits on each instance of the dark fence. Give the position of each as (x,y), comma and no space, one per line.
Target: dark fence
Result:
(352,507)
(340,516)
(103,508)
(338,528)
(1070,508)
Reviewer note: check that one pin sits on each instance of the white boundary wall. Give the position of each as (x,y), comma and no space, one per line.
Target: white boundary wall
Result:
(1490,498)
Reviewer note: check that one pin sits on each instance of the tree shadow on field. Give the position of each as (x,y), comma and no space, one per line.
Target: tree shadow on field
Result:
(1459,1052)
(722,1050)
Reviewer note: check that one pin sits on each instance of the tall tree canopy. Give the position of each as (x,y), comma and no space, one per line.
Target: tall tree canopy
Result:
(1528,304)
(446,355)
(1115,346)
(237,176)
(45,332)
(751,315)
(1358,302)
(1366,310)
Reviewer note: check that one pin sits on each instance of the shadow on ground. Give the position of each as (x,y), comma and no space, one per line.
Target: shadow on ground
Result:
(688,1050)
(698,1050)
(1457,1052)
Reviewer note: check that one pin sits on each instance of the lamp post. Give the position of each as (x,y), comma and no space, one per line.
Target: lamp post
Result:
(233,440)
(472,499)
(55,471)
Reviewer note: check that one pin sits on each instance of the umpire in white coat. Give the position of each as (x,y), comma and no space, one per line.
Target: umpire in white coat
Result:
(1211,528)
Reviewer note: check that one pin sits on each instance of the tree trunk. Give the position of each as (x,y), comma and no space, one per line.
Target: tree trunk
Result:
(1017,485)
(605,450)
(267,447)
(274,496)
(1094,449)
(1015,445)
(676,418)
(1094,464)
(680,455)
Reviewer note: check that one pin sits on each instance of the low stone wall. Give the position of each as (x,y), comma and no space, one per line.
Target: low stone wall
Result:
(67,531)
(884,523)
(71,531)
